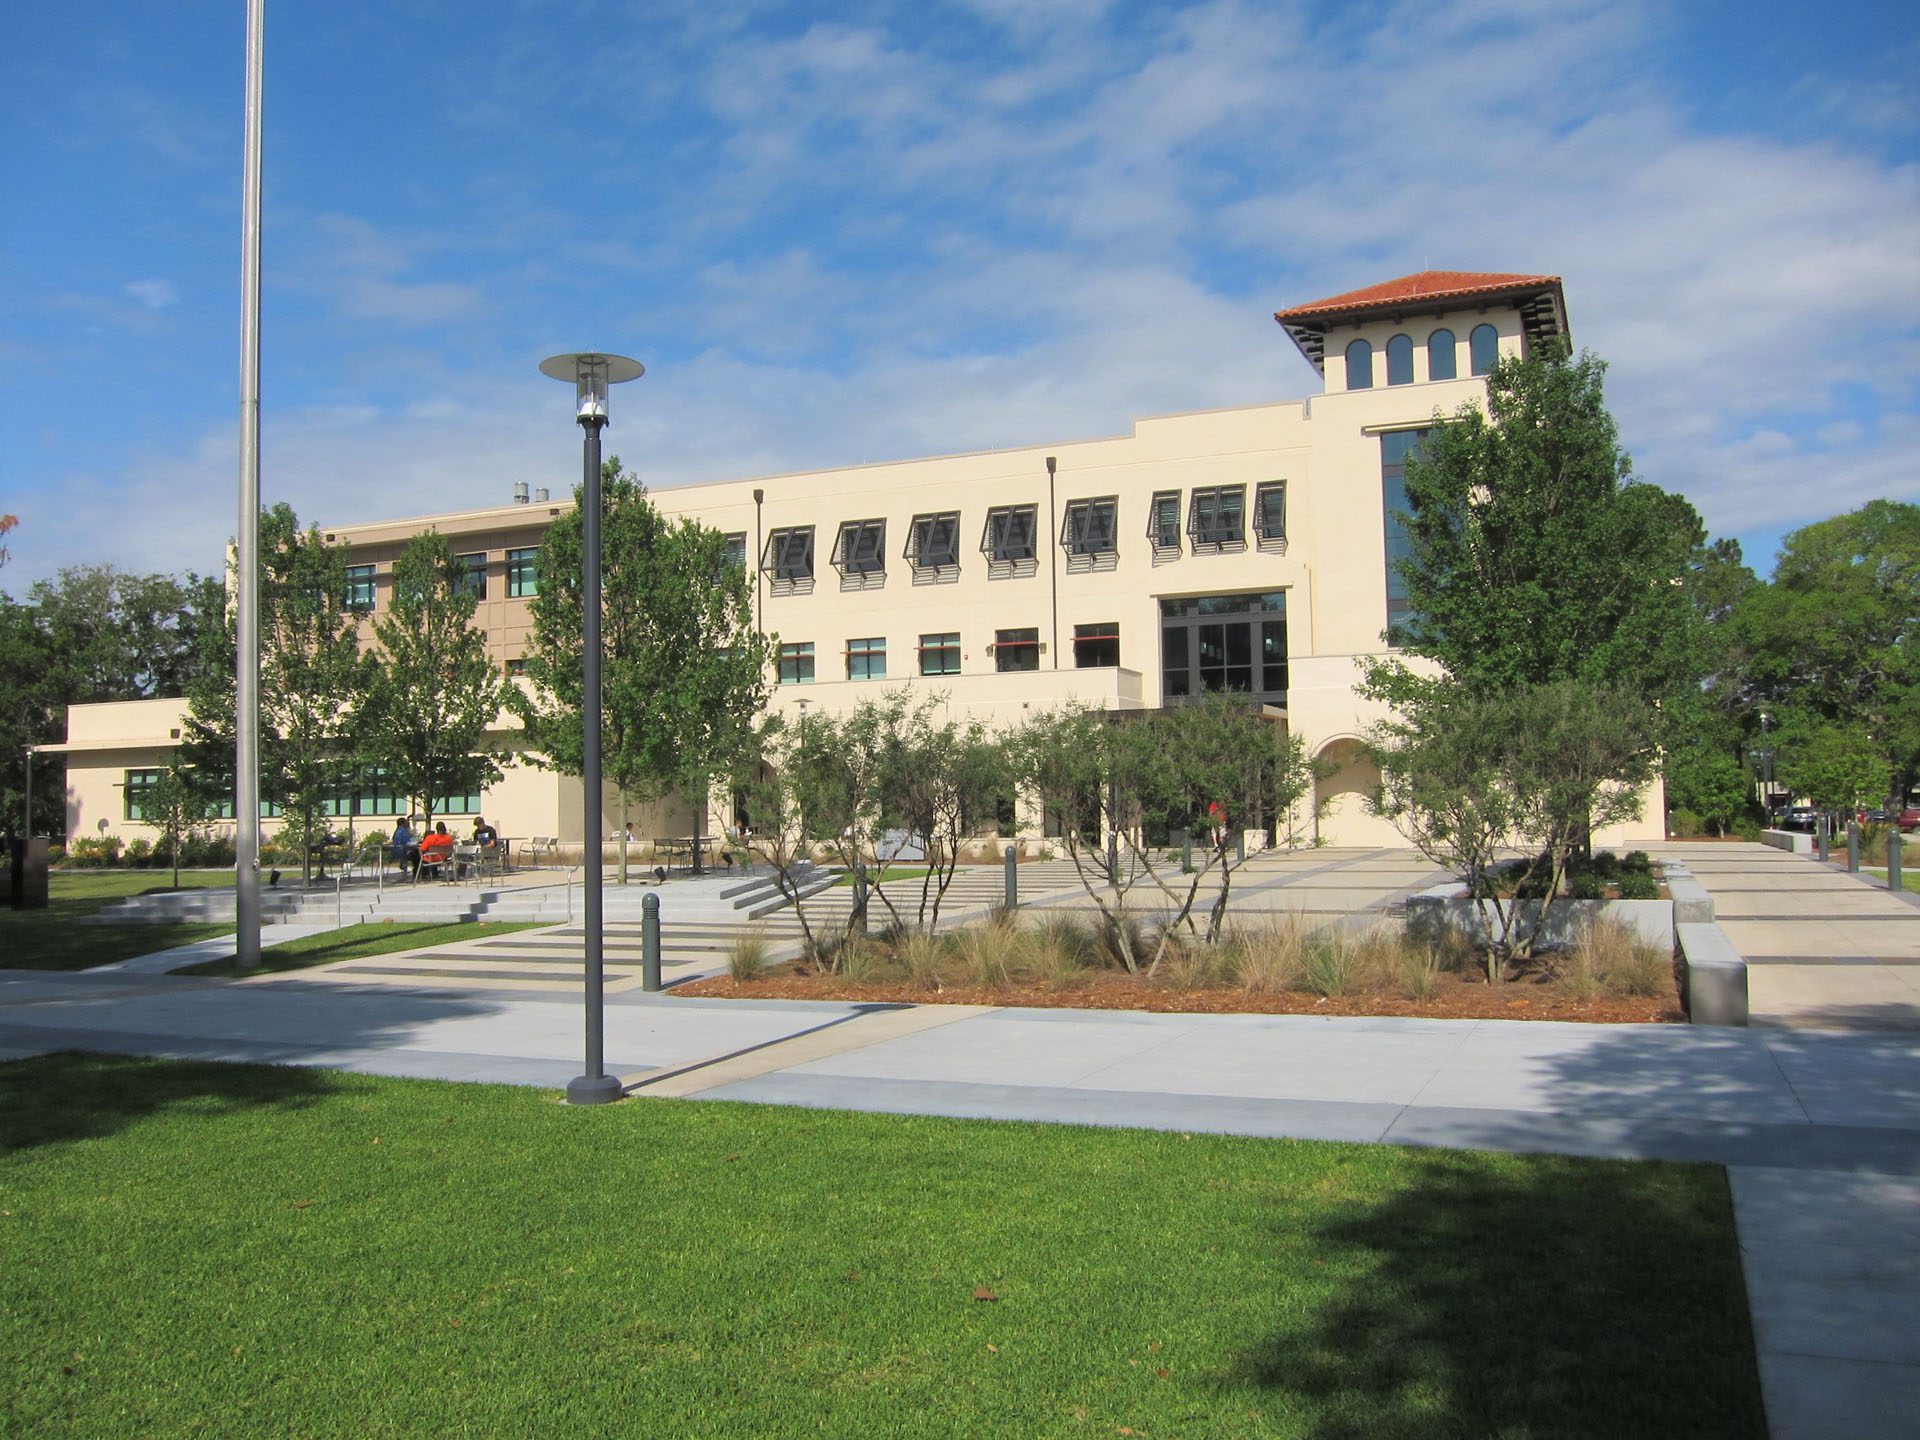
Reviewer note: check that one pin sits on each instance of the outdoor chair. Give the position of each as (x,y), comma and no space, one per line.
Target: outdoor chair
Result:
(465,858)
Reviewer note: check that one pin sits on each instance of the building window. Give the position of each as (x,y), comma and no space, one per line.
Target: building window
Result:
(1483,347)
(1163,524)
(473,575)
(1016,650)
(1089,532)
(867,659)
(517,666)
(1096,646)
(1270,516)
(467,804)
(796,664)
(860,550)
(1359,366)
(523,574)
(1400,360)
(360,588)
(1442,362)
(933,547)
(1232,643)
(1395,446)
(138,787)
(733,551)
(789,559)
(1217,518)
(940,654)
(1008,539)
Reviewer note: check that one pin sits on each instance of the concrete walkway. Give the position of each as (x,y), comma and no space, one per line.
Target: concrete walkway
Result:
(1832,1255)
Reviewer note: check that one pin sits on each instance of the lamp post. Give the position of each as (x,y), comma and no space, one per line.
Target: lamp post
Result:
(1766,768)
(246,559)
(591,375)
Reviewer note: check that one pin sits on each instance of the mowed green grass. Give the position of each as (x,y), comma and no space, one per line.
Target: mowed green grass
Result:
(50,940)
(356,942)
(1909,875)
(195,1249)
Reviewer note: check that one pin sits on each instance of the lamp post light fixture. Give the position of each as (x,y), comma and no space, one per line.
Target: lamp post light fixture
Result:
(592,373)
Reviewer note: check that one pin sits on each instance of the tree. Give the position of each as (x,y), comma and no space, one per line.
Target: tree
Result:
(1211,767)
(121,636)
(683,670)
(178,804)
(1836,765)
(945,782)
(1534,556)
(32,712)
(1836,633)
(7,524)
(433,694)
(313,677)
(1467,774)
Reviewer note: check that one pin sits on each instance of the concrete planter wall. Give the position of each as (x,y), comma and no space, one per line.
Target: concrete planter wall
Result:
(1794,842)
(1442,909)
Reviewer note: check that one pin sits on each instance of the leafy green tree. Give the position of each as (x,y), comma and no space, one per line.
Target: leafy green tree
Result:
(313,677)
(1836,633)
(179,805)
(433,694)
(1836,765)
(683,670)
(32,712)
(1534,556)
(120,636)
(944,782)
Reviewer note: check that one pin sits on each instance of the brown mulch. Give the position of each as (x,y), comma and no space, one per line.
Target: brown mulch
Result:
(1454,998)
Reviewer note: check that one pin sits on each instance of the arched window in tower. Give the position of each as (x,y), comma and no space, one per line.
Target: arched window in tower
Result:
(1400,360)
(1485,345)
(1442,362)
(1359,366)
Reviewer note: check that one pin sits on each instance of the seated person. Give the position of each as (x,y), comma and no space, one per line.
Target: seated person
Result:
(403,847)
(483,833)
(436,849)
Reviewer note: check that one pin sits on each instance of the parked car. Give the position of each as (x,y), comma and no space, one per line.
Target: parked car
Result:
(1910,818)
(1800,817)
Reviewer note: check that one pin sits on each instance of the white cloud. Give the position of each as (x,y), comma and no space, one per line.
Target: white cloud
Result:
(154,294)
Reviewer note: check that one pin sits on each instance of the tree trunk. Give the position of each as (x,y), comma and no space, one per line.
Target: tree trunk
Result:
(623,837)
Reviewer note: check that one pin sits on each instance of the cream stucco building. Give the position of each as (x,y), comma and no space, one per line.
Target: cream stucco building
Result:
(1243,549)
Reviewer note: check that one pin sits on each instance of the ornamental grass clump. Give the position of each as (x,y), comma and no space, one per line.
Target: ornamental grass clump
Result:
(1060,950)
(1610,958)
(921,956)
(748,958)
(1329,963)
(1267,958)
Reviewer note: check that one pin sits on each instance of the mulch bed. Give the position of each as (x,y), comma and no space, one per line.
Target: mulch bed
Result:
(1454,998)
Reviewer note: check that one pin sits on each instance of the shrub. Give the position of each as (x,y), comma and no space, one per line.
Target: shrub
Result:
(140,852)
(748,958)
(1267,958)
(1639,885)
(1637,862)
(1611,957)
(1685,822)
(1747,829)
(1587,885)
(94,852)
(920,956)
(1606,865)
(1327,963)
(56,854)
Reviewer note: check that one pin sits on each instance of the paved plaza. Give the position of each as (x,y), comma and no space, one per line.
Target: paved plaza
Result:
(1815,1109)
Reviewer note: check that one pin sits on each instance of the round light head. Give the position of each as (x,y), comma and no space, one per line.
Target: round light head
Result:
(591,372)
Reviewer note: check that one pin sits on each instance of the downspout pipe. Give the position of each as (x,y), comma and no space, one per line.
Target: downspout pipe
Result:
(1053,557)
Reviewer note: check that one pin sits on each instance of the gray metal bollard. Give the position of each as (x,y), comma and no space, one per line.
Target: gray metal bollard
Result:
(1186,856)
(1853,848)
(1239,847)
(650,941)
(1893,861)
(1820,838)
(860,897)
(1013,879)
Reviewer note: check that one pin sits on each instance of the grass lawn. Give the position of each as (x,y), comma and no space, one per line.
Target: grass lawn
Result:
(49,940)
(354,942)
(1909,875)
(195,1249)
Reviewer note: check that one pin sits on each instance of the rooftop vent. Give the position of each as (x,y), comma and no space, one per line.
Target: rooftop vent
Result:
(541,494)
(519,492)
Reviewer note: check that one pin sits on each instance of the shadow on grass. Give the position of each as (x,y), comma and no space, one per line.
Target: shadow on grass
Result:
(78,1095)
(1537,1298)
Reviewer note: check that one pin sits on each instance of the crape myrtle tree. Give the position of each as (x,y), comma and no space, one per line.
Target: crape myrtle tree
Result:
(946,782)
(1468,774)
(434,695)
(1835,637)
(1211,767)
(313,679)
(683,669)
(179,803)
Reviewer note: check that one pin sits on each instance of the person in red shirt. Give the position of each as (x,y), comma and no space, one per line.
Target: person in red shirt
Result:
(436,849)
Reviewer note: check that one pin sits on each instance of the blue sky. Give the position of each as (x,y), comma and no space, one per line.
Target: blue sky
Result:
(864,231)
